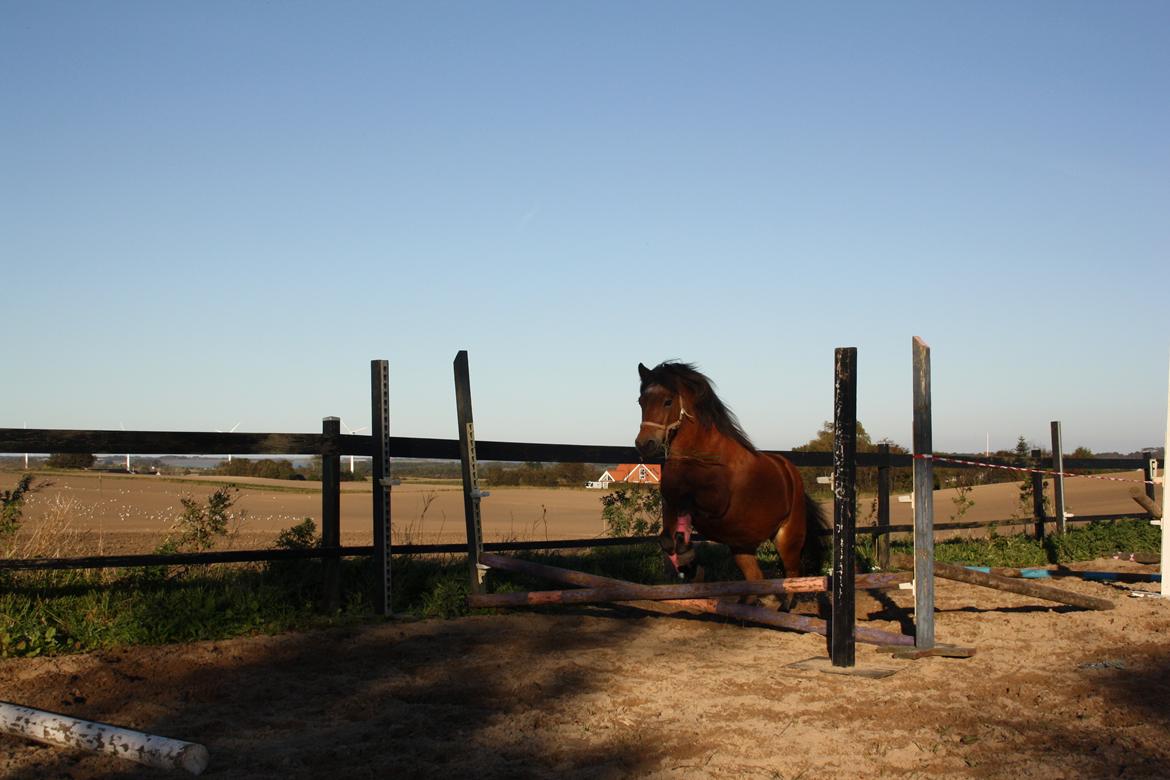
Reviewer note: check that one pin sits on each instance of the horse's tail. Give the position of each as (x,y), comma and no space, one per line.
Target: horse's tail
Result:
(813,556)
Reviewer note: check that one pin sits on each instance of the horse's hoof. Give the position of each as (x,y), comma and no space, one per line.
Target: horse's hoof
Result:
(770,601)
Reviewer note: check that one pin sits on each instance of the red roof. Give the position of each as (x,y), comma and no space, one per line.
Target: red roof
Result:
(636,472)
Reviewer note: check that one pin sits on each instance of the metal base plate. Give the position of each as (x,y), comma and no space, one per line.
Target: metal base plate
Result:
(823,664)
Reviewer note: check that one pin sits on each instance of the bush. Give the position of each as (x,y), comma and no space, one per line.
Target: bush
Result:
(12,507)
(632,511)
(201,524)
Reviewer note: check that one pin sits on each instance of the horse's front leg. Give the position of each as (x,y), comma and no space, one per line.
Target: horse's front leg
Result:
(749,564)
(675,541)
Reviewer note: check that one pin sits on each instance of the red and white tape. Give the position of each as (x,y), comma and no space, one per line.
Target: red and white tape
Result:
(922,456)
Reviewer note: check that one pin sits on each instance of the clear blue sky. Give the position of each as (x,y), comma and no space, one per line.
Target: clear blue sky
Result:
(220,212)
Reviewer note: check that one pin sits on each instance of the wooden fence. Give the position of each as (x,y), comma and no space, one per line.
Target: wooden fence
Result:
(331,445)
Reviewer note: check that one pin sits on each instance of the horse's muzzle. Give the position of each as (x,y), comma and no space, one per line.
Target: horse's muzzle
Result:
(647,447)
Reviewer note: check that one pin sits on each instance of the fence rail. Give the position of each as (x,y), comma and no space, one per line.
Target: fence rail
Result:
(47,440)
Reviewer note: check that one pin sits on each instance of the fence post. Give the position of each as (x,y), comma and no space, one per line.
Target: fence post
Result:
(1058,478)
(923,500)
(1165,524)
(842,643)
(1148,474)
(330,514)
(380,475)
(1037,494)
(882,544)
(471,491)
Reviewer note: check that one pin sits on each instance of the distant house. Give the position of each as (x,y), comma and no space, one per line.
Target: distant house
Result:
(630,473)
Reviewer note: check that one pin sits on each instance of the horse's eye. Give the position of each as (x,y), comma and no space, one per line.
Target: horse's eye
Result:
(668,402)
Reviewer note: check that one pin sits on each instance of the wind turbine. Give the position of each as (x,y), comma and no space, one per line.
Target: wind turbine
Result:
(352,431)
(233,430)
(123,427)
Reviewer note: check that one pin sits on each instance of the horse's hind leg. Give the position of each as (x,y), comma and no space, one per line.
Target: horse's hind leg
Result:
(789,541)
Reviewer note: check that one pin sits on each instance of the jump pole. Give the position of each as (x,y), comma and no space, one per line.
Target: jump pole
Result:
(638,592)
(751,614)
(52,728)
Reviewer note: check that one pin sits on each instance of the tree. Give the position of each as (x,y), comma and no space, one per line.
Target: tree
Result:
(823,441)
(866,477)
(1082,452)
(1022,457)
(71,460)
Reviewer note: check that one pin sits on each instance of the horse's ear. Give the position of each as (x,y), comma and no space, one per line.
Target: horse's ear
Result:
(643,372)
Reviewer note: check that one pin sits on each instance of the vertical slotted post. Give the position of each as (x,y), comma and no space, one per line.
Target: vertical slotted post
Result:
(883,508)
(330,514)
(380,474)
(842,643)
(923,500)
(1038,494)
(1148,472)
(471,491)
(1058,478)
(1166,505)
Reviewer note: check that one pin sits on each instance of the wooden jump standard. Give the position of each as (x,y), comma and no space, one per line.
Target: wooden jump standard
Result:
(630,591)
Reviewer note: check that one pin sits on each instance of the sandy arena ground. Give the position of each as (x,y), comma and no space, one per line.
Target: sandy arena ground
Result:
(608,692)
(612,692)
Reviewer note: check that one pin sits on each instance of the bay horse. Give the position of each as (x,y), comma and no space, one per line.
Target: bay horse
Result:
(714,479)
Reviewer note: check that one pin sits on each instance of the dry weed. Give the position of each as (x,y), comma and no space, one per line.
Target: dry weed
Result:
(53,535)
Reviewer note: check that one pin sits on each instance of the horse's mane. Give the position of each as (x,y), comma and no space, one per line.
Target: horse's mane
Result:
(676,376)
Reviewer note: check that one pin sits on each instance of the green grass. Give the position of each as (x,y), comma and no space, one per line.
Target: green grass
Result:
(1097,540)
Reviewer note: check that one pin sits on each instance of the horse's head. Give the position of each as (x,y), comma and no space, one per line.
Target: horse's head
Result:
(664,405)
(674,393)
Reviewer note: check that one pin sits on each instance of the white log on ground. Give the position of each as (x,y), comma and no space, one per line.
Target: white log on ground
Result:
(53,728)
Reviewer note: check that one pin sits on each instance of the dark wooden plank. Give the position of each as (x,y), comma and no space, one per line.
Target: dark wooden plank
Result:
(159,442)
(176,559)
(20,440)
(380,474)
(842,641)
(331,517)
(468,466)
